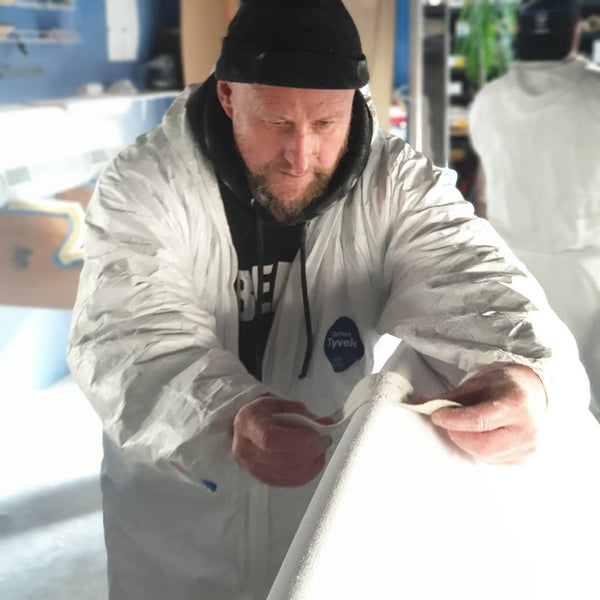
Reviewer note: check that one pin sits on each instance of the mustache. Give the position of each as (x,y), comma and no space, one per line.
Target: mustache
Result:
(284,166)
(287,209)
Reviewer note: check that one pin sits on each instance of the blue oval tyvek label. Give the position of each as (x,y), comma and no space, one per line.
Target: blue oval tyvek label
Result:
(343,346)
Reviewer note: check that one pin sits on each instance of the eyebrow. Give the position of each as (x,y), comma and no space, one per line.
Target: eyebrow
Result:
(263,112)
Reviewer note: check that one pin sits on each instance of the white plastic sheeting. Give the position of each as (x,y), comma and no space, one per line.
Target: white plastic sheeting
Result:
(60,144)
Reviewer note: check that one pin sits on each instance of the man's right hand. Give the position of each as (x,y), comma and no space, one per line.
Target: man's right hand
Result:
(275,454)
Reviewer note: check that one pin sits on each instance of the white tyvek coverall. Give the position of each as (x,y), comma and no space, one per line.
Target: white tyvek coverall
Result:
(537,132)
(154,345)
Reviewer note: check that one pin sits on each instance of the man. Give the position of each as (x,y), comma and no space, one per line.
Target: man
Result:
(242,260)
(537,133)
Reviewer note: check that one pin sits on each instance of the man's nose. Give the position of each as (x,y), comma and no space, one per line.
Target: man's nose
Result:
(300,148)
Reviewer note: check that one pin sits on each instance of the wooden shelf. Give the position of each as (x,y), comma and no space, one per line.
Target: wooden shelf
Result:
(41,36)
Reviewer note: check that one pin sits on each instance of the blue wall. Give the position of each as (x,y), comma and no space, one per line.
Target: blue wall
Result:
(401,58)
(66,67)
(33,341)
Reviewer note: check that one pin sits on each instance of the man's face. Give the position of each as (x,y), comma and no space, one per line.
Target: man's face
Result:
(291,140)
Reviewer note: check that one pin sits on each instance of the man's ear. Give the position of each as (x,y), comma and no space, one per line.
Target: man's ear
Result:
(224,93)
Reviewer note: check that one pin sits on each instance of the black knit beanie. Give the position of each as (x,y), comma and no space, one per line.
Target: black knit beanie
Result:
(310,44)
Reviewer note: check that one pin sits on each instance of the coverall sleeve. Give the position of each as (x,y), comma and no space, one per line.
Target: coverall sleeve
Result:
(457,293)
(143,344)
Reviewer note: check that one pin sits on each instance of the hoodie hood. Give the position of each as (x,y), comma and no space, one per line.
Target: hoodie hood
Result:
(539,83)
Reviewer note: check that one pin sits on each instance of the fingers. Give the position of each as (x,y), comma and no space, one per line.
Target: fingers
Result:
(280,455)
(486,416)
(273,469)
(495,432)
(500,422)
(483,430)
(275,454)
(255,422)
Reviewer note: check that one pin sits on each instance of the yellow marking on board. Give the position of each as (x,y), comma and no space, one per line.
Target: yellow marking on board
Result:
(71,250)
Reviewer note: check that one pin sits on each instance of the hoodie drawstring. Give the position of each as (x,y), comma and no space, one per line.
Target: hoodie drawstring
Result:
(307,321)
(259,293)
(259,300)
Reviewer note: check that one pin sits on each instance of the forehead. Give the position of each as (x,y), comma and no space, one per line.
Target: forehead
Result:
(268,99)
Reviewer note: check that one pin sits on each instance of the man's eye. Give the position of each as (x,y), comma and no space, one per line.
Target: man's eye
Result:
(323,124)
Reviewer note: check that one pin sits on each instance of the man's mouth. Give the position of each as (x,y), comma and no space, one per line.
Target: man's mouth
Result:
(295,175)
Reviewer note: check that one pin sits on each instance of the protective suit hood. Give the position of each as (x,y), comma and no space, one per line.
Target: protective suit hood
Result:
(537,84)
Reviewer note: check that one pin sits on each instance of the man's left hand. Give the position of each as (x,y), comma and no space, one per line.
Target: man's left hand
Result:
(500,421)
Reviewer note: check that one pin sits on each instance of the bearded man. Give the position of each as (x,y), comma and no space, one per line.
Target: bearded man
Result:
(242,260)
